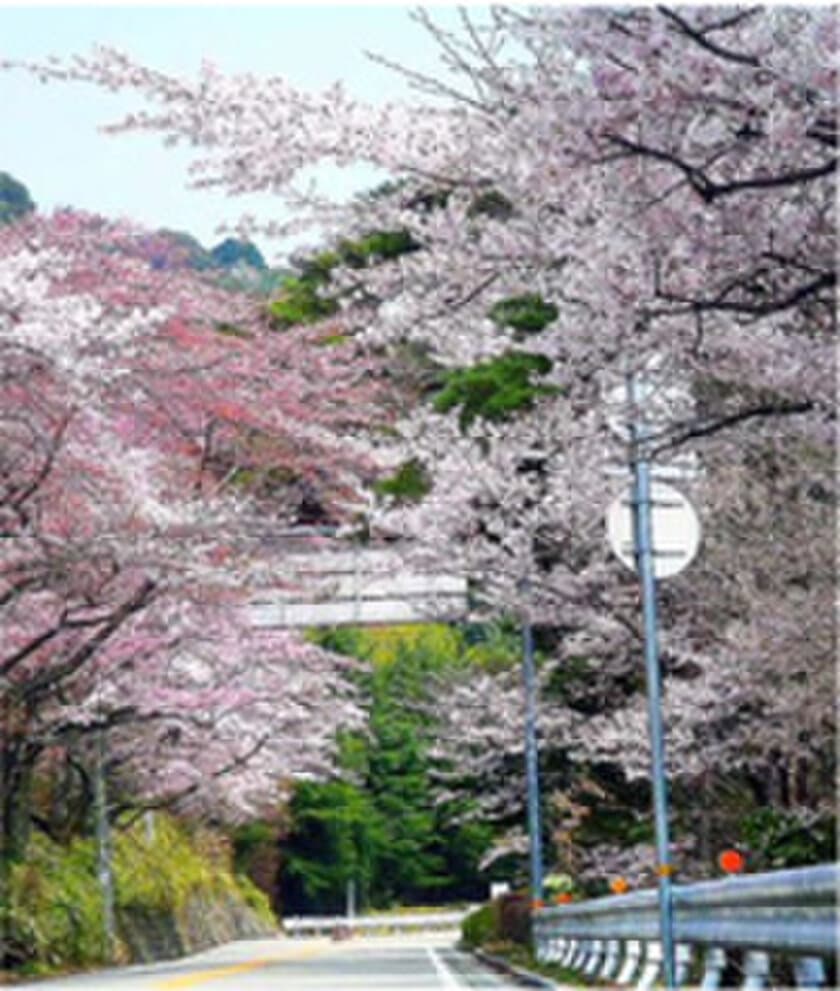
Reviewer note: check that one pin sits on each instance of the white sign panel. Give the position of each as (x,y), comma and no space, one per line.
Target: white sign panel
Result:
(674,524)
(357,588)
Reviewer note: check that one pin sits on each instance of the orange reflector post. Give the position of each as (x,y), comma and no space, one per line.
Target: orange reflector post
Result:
(731,862)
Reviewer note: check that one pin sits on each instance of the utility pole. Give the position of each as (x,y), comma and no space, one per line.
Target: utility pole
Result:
(532,758)
(104,866)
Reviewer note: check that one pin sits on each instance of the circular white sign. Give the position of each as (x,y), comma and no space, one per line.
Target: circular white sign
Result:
(675,529)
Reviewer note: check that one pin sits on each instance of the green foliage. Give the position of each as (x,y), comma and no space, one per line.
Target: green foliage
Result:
(505,920)
(376,246)
(256,899)
(15,201)
(775,839)
(56,910)
(248,840)
(558,884)
(262,480)
(256,859)
(300,303)
(528,314)
(231,330)
(494,647)
(481,926)
(56,918)
(434,644)
(301,300)
(319,267)
(381,826)
(495,389)
(615,825)
(334,340)
(141,879)
(567,677)
(410,483)
(336,837)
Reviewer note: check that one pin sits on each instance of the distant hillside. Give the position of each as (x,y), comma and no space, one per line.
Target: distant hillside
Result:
(15,200)
(239,264)
(232,252)
(166,249)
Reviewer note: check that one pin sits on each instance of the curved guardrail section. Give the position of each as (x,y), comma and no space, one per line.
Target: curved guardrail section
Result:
(323,925)
(790,913)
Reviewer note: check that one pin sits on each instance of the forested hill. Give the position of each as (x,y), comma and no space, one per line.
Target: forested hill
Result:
(15,200)
(167,248)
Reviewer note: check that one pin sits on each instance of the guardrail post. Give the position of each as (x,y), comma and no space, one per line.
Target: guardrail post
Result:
(714,964)
(580,957)
(595,954)
(611,960)
(683,955)
(570,954)
(809,972)
(652,966)
(632,955)
(552,950)
(756,969)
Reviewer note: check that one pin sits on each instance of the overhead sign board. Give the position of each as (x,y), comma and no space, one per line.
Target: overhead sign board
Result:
(357,588)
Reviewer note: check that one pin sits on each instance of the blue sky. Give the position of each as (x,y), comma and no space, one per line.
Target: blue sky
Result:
(49,138)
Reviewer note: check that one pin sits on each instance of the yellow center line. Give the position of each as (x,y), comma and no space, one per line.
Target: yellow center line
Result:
(203,976)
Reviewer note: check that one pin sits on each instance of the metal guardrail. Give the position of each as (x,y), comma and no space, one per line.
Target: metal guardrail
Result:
(311,925)
(792,913)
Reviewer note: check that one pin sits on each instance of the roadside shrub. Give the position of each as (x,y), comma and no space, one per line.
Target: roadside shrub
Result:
(479,927)
(515,919)
(504,920)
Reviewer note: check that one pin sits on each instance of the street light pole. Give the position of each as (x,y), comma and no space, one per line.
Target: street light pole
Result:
(644,550)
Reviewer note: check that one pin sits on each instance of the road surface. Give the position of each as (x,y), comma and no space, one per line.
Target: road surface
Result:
(400,963)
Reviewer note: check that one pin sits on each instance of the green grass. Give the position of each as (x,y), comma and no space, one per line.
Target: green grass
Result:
(55,913)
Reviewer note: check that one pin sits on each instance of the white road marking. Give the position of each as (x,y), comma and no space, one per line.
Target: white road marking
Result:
(444,974)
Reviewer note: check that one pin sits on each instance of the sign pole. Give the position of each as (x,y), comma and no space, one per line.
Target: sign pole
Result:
(644,550)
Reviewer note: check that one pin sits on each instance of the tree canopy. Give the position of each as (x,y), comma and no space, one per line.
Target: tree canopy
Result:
(595,192)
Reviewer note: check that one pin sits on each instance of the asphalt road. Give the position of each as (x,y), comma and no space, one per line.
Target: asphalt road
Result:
(414,963)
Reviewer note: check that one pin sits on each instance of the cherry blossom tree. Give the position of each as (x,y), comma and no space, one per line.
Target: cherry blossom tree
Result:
(153,429)
(658,184)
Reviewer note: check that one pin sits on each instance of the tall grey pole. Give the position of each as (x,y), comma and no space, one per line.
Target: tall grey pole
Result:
(644,550)
(531,759)
(104,867)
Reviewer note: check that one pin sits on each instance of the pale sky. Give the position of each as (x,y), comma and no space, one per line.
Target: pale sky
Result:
(48,133)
